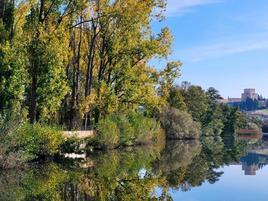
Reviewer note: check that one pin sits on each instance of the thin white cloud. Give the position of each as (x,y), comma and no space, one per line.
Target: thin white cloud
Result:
(224,48)
(180,7)
(257,18)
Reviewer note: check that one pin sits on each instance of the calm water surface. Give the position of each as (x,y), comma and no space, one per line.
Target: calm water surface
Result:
(234,185)
(213,169)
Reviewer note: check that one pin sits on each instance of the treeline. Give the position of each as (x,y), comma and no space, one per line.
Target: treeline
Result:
(251,104)
(189,112)
(86,64)
(206,111)
(73,62)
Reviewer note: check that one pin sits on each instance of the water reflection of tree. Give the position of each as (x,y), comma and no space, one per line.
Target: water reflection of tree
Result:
(121,175)
(34,183)
(190,164)
(9,185)
(186,168)
(178,154)
(132,174)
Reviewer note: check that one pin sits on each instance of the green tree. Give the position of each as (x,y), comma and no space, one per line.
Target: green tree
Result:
(13,76)
(214,120)
(179,124)
(213,95)
(168,77)
(176,99)
(197,102)
(47,50)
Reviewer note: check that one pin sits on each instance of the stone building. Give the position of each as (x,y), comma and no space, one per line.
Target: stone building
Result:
(249,93)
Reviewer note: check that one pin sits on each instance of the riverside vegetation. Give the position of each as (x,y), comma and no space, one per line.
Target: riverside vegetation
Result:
(86,64)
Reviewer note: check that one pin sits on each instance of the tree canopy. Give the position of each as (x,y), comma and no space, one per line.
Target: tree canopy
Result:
(72,62)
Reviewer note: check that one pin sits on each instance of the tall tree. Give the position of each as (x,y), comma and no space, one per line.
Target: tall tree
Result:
(121,43)
(46,28)
(82,58)
(12,60)
(197,102)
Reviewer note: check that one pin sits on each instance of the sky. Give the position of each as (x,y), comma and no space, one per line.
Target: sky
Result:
(221,43)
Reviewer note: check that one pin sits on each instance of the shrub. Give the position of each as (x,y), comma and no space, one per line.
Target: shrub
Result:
(179,124)
(214,128)
(107,132)
(9,123)
(145,129)
(38,140)
(126,130)
(70,145)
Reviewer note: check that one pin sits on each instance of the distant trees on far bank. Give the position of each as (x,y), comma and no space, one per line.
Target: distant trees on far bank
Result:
(194,112)
(251,104)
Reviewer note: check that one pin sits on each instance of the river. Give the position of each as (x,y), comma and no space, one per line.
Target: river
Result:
(211,169)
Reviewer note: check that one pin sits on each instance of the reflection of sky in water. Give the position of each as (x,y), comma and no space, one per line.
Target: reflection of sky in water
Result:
(142,173)
(233,185)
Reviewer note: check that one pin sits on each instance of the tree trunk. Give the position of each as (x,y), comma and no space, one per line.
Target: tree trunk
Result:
(102,62)
(75,88)
(41,11)
(2,7)
(32,112)
(33,72)
(73,95)
(89,74)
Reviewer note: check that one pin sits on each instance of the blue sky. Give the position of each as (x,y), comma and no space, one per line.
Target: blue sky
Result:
(221,43)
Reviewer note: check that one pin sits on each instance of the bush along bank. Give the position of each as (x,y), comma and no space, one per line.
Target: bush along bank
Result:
(120,130)
(27,142)
(37,141)
(179,125)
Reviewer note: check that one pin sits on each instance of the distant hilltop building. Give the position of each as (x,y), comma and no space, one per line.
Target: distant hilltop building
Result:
(231,100)
(249,101)
(234,100)
(249,93)
(250,169)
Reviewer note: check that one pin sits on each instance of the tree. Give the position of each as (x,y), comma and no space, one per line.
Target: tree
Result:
(249,104)
(47,48)
(213,95)
(176,99)
(197,102)
(213,122)
(179,124)
(13,77)
(117,74)
(79,59)
(168,76)
(12,61)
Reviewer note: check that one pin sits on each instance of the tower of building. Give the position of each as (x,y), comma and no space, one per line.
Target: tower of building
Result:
(249,93)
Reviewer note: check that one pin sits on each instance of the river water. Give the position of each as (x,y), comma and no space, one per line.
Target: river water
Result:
(212,169)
